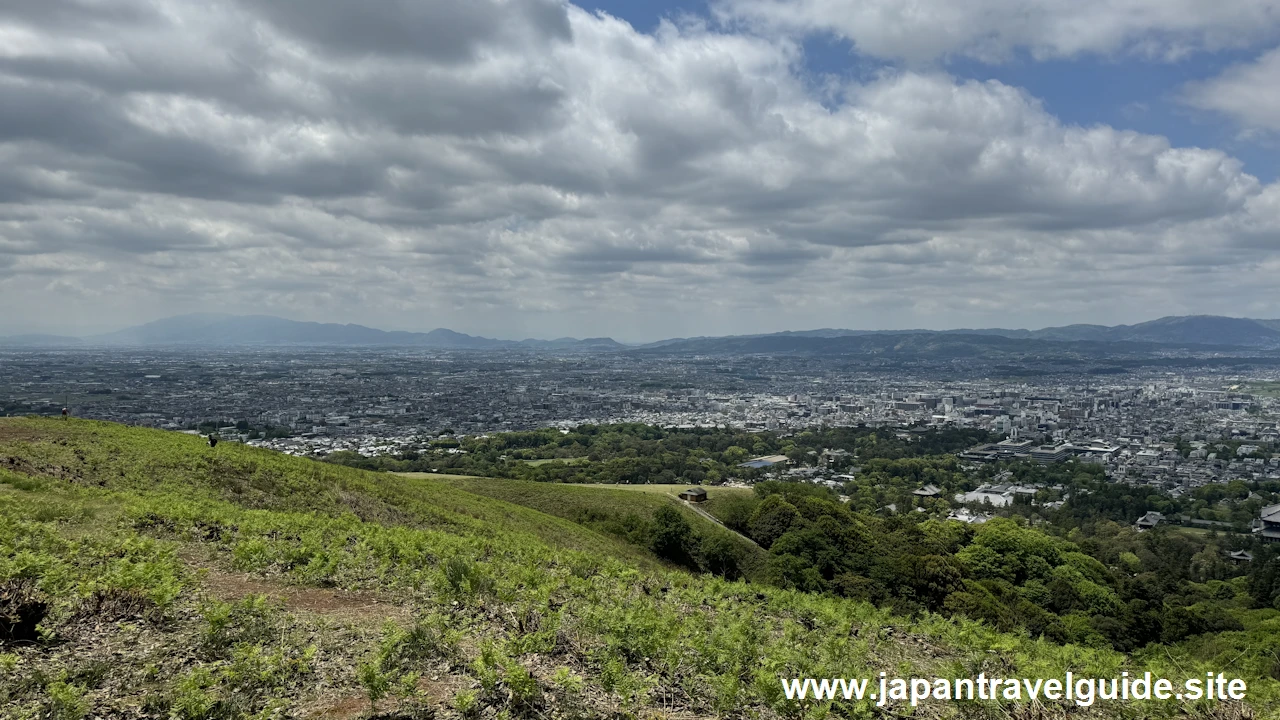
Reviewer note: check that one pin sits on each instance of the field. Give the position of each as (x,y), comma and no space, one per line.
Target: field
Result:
(567,461)
(1264,388)
(146,575)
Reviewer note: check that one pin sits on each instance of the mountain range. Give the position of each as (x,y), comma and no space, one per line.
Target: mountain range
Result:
(211,329)
(206,329)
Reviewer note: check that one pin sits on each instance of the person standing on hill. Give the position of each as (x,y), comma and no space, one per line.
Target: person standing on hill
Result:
(213,440)
(64,413)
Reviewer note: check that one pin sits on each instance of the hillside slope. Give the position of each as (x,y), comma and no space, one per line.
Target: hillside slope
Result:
(133,565)
(615,510)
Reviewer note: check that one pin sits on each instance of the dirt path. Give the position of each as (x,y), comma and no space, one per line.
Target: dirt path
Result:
(342,604)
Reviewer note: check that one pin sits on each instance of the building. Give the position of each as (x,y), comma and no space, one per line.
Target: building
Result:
(764,462)
(1003,450)
(927,491)
(964,515)
(1268,525)
(1240,556)
(694,494)
(1100,447)
(1046,454)
(997,496)
(1150,520)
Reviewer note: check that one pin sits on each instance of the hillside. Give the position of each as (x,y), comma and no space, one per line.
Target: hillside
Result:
(618,510)
(1176,330)
(144,574)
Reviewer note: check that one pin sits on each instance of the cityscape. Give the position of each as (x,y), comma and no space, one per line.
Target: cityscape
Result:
(383,401)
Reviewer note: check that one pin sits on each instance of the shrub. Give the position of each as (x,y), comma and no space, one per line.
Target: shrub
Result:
(67,701)
(252,619)
(375,682)
(467,578)
(466,703)
(192,697)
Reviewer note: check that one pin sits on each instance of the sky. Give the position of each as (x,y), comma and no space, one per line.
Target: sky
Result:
(640,170)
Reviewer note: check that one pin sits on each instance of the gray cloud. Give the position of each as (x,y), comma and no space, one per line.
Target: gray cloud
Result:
(451,32)
(497,165)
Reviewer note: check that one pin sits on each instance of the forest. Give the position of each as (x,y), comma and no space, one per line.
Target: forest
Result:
(634,453)
(1108,585)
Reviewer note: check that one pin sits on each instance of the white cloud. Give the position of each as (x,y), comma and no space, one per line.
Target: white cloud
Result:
(568,171)
(993,30)
(1249,93)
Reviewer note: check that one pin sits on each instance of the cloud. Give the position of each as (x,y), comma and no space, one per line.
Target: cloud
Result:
(1248,92)
(446,32)
(995,30)
(545,170)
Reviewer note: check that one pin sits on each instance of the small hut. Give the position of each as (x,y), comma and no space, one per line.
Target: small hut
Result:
(694,494)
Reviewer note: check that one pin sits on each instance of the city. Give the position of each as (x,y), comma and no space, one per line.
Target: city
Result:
(317,401)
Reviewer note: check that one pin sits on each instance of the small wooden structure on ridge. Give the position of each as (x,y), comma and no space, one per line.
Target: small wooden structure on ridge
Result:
(694,494)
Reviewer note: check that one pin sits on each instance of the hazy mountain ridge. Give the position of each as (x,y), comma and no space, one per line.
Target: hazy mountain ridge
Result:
(213,329)
(926,344)
(1181,331)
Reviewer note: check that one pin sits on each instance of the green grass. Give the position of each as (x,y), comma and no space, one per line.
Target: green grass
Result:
(566,461)
(109,532)
(612,509)
(675,490)
(718,498)
(1266,388)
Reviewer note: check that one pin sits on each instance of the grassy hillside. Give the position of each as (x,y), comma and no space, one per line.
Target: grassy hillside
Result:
(143,574)
(619,510)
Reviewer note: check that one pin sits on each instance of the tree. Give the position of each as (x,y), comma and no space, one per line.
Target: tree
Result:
(933,578)
(736,511)
(772,519)
(720,556)
(733,455)
(672,537)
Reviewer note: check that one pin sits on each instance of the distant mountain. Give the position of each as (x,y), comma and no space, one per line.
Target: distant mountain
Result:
(1173,330)
(213,329)
(1203,329)
(911,344)
(448,339)
(567,343)
(1183,331)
